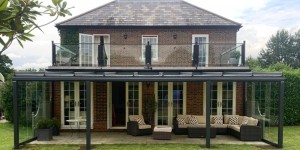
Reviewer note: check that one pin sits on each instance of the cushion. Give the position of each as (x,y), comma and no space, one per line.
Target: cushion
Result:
(226,118)
(183,126)
(193,120)
(132,117)
(244,122)
(235,127)
(234,120)
(242,118)
(181,121)
(197,126)
(212,120)
(201,119)
(184,117)
(252,122)
(163,129)
(144,126)
(219,126)
(218,120)
(140,121)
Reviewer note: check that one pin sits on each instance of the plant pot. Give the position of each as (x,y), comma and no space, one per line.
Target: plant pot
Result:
(234,62)
(44,134)
(55,131)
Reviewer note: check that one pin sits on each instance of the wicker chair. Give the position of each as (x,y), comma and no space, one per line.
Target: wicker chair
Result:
(133,127)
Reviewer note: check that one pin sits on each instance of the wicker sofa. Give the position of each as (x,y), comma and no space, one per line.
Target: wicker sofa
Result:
(250,132)
(133,128)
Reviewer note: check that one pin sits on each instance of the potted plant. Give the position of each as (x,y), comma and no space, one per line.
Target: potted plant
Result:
(55,127)
(150,107)
(234,58)
(44,130)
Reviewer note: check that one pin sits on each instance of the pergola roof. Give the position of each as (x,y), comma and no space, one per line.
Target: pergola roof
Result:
(148,76)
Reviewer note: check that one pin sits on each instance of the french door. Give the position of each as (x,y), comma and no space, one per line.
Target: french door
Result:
(133,102)
(202,40)
(86,50)
(171,100)
(222,98)
(73,103)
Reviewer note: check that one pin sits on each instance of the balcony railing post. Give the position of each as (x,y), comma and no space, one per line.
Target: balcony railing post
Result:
(244,53)
(53,54)
(148,61)
(100,55)
(196,55)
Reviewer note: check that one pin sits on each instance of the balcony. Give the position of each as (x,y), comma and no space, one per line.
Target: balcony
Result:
(148,56)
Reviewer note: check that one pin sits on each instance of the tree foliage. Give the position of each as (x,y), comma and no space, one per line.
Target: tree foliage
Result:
(281,47)
(18,18)
(5,66)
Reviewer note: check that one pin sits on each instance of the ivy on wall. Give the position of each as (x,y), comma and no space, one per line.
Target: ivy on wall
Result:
(70,35)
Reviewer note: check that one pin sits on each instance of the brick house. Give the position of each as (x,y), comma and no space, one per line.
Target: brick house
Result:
(128,50)
(124,26)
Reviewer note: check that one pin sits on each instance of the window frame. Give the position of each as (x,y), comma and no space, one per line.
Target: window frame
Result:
(156,56)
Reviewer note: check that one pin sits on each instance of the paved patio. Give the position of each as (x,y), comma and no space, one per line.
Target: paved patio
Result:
(123,138)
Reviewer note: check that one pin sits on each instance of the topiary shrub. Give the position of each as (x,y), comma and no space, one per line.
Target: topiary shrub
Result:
(44,124)
(235,54)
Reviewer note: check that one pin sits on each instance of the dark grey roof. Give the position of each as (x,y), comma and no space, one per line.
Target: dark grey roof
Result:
(148,13)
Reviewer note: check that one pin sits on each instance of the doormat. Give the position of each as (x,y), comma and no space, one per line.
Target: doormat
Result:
(84,147)
(267,147)
(211,147)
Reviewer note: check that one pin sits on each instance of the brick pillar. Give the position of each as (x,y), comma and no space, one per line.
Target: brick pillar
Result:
(57,102)
(194,98)
(147,90)
(239,98)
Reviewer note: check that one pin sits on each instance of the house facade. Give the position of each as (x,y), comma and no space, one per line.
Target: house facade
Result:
(125,27)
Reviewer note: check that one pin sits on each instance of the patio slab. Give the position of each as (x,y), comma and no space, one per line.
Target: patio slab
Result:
(123,138)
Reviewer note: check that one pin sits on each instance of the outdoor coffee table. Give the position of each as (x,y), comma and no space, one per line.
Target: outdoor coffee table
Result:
(77,122)
(199,131)
(162,133)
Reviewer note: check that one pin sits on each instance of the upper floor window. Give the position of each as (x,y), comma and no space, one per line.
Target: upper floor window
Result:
(202,40)
(153,41)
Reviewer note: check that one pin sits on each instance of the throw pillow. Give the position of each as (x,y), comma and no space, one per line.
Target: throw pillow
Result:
(181,121)
(218,120)
(140,121)
(234,120)
(193,120)
(244,122)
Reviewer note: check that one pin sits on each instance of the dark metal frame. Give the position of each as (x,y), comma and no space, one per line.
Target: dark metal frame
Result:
(71,76)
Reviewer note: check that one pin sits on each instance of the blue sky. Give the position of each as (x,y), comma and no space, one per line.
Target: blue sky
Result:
(260,19)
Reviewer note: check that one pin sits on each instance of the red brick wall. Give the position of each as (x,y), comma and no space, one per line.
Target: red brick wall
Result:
(57,102)
(239,98)
(194,98)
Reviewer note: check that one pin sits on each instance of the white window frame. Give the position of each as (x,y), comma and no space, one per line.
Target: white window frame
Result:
(109,105)
(76,90)
(93,49)
(108,51)
(220,90)
(170,98)
(207,45)
(156,56)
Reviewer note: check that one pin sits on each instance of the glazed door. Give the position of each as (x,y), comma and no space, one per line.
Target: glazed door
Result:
(86,50)
(133,99)
(202,40)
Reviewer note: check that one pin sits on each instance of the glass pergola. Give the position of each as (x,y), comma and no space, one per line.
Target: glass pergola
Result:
(262,99)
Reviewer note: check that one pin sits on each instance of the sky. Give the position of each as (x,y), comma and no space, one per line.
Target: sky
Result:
(260,19)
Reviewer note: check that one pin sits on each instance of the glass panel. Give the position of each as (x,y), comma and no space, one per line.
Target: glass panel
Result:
(162,103)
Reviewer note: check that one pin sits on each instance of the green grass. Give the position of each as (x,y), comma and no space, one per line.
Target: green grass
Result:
(291,142)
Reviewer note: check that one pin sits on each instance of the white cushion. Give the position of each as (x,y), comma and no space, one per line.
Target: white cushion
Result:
(184,117)
(193,120)
(242,118)
(235,127)
(132,117)
(220,126)
(181,121)
(144,126)
(252,122)
(162,129)
(226,118)
(233,120)
(218,120)
(201,119)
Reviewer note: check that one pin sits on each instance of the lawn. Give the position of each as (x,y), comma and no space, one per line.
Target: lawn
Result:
(291,142)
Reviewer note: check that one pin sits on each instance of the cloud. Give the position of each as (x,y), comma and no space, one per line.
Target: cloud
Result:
(12,55)
(39,63)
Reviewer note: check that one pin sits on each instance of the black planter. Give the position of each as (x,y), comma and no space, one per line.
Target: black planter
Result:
(55,131)
(44,134)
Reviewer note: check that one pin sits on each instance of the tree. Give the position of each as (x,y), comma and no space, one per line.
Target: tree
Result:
(5,66)
(281,47)
(2,79)
(7,97)
(17,18)
(252,63)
